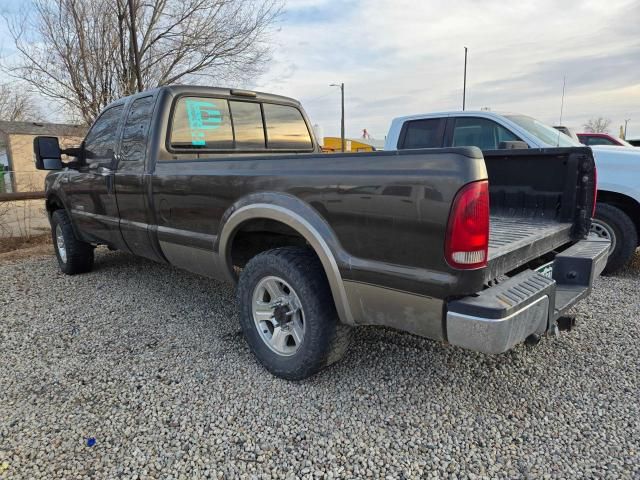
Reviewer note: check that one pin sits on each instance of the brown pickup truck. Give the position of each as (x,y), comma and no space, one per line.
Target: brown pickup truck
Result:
(480,252)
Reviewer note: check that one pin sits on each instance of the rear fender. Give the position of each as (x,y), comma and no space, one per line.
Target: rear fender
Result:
(304,220)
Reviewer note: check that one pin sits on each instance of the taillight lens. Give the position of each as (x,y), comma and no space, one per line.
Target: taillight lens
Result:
(467,241)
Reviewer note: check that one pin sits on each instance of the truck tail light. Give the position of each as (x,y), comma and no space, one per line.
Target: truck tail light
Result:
(467,241)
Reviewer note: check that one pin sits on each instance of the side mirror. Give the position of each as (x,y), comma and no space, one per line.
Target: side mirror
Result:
(47,153)
(513,145)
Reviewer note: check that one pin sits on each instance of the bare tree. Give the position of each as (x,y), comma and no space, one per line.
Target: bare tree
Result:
(597,125)
(16,104)
(86,53)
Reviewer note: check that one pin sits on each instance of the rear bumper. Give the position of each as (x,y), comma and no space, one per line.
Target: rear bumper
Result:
(529,303)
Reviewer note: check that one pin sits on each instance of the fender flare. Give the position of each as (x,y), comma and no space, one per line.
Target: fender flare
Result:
(304,227)
(49,196)
(620,190)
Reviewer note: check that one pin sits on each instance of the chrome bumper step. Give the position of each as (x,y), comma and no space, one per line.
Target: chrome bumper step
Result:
(496,319)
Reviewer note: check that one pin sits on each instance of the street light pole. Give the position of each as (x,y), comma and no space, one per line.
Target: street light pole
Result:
(464,85)
(341,85)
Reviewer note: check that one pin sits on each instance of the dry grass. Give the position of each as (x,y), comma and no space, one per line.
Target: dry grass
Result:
(16,248)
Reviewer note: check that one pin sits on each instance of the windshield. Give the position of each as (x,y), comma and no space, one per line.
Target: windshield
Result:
(545,133)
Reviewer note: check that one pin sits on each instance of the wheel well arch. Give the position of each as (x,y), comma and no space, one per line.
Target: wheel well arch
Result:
(258,235)
(625,203)
(53,203)
(253,229)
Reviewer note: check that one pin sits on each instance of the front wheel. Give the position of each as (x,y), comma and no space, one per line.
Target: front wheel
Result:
(74,256)
(615,225)
(288,315)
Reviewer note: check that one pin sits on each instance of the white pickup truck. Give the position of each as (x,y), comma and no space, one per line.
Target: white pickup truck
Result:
(617,216)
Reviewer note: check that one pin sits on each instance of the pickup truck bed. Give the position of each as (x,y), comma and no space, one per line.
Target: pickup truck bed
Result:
(516,241)
(532,213)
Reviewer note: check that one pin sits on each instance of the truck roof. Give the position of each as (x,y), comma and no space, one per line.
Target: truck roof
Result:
(483,113)
(207,90)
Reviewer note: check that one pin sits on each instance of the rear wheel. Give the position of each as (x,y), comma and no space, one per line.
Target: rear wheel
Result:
(615,225)
(288,315)
(74,256)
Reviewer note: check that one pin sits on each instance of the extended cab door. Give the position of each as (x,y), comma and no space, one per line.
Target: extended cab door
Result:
(133,182)
(90,190)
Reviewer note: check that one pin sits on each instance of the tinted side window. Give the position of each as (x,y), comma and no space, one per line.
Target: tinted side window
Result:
(136,130)
(286,128)
(247,125)
(480,132)
(505,135)
(599,141)
(101,140)
(201,123)
(425,133)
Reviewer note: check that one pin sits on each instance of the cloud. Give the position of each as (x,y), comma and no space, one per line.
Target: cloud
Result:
(398,57)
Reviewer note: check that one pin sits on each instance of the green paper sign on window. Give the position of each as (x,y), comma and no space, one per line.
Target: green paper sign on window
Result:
(203,116)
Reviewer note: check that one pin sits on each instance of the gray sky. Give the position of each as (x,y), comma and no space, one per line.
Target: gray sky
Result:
(399,57)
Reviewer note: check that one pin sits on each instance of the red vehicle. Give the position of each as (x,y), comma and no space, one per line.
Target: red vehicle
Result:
(602,139)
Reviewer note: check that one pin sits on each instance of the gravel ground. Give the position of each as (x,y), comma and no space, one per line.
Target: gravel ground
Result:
(149,361)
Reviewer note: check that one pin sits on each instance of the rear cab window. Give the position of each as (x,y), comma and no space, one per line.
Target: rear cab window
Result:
(248,125)
(201,123)
(206,124)
(286,129)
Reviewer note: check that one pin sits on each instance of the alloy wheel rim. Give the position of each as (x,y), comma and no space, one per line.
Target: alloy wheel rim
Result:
(278,315)
(603,230)
(62,250)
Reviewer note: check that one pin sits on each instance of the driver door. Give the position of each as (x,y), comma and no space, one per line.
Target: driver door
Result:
(91,190)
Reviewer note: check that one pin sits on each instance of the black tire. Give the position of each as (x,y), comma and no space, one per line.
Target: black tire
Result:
(325,339)
(79,255)
(615,223)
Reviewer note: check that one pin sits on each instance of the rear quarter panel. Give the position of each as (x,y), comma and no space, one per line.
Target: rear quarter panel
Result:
(387,210)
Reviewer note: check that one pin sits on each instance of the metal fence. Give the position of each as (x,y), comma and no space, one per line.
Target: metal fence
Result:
(21,185)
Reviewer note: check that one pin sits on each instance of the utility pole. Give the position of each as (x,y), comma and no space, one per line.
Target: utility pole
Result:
(464,85)
(341,85)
